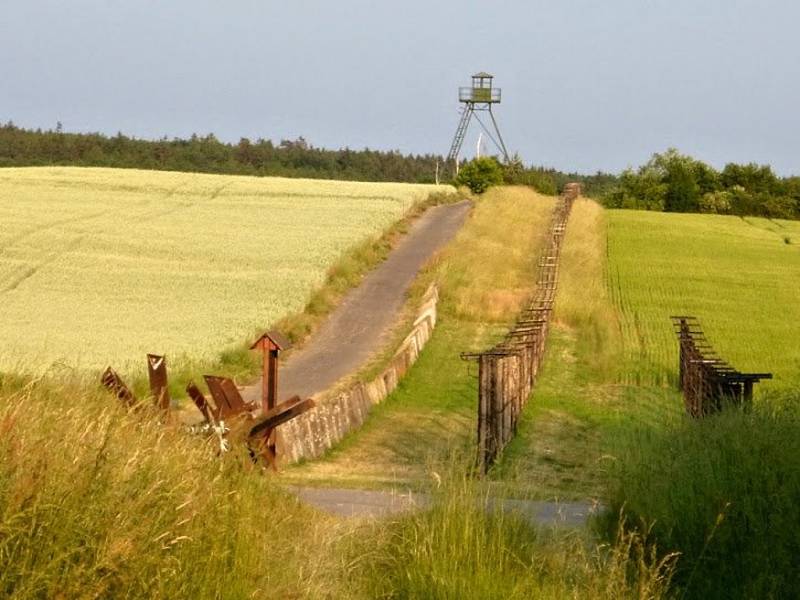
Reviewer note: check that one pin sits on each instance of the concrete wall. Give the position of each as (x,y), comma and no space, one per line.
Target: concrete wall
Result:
(311,434)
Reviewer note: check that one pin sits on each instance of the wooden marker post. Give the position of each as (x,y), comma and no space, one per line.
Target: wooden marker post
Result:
(271,344)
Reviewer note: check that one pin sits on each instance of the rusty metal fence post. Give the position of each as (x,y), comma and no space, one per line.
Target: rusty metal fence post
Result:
(708,383)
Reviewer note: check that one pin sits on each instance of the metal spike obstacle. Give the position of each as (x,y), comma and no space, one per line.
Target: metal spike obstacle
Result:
(478,98)
(226,416)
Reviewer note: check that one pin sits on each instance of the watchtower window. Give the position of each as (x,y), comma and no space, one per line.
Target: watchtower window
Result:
(482,81)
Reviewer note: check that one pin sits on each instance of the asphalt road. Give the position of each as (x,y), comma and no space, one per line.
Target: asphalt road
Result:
(373,503)
(356,329)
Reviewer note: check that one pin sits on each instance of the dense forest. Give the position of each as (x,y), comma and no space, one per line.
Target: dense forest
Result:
(288,158)
(207,154)
(670,181)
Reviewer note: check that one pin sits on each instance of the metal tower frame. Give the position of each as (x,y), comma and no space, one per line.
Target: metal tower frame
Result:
(476,99)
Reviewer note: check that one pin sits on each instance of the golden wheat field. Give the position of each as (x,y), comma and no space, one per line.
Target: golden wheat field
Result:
(101,266)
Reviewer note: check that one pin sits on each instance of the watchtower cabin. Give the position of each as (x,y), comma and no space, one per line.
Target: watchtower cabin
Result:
(481,90)
(479,97)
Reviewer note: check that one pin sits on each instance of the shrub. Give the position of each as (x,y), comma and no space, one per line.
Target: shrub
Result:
(717,203)
(724,492)
(480,174)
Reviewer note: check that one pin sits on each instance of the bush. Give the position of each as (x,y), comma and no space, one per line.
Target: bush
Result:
(717,203)
(724,492)
(480,174)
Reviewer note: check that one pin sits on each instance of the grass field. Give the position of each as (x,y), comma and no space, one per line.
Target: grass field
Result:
(740,277)
(603,422)
(100,266)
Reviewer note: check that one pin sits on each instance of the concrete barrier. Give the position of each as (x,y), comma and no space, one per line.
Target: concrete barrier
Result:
(314,432)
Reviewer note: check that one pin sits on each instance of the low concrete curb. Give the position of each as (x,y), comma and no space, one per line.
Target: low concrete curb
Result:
(314,432)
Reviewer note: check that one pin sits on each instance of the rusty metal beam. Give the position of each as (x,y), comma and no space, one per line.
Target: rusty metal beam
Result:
(113,382)
(157,373)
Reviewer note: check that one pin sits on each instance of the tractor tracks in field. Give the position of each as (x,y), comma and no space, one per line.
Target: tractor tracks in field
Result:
(27,272)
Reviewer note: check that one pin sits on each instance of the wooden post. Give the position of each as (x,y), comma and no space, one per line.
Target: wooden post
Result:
(272,368)
(747,395)
(270,343)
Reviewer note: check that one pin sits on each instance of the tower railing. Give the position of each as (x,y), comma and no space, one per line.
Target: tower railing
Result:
(472,94)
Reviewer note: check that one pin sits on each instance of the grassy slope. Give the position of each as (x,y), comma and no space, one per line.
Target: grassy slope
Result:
(566,430)
(484,276)
(612,356)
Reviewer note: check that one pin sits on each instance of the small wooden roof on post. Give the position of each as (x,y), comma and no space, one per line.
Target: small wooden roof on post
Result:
(272,341)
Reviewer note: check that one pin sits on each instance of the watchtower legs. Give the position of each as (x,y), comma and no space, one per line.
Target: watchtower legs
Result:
(461,132)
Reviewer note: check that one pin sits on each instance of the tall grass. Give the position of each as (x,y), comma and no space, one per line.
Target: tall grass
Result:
(583,302)
(463,547)
(725,493)
(97,502)
(489,271)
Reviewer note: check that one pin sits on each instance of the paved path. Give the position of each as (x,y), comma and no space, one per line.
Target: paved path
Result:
(355,330)
(371,503)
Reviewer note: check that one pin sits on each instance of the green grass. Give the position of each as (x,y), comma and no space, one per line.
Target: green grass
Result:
(723,492)
(738,276)
(463,547)
(567,432)
(430,414)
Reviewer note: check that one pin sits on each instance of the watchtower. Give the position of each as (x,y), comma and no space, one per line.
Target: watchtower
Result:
(477,98)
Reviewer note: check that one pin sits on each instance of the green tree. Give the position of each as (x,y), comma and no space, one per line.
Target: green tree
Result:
(480,174)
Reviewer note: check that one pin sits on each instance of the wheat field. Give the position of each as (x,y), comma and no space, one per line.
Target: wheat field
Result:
(101,266)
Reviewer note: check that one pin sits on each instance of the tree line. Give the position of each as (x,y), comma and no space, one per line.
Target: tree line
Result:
(21,147)
(207,154)
(669,181)
(673,182)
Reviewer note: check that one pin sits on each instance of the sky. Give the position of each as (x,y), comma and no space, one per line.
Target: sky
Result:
(587,85)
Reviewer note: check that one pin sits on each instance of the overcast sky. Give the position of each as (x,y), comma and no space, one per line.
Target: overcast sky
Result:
(586,84)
